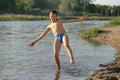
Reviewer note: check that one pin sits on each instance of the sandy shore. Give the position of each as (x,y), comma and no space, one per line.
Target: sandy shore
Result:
(110,71)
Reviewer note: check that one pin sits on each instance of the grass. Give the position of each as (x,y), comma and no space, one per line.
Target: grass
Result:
(93,32)
(68,17)
(99,18)
(113,22)
(11,17)
(89,17)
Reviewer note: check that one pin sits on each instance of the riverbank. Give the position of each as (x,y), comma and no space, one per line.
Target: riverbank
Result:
(110,71)
(19,17)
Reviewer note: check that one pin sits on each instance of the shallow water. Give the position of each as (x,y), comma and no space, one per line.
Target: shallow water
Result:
(19,62)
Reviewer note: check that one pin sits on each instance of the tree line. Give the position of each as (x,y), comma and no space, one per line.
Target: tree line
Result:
(64,7)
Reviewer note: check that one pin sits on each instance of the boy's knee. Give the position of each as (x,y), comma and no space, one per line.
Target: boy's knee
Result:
(56,54)
(67,46)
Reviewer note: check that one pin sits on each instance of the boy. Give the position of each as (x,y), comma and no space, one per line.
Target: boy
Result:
(60,37)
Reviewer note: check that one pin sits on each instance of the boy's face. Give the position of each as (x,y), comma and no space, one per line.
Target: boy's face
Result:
(53,17)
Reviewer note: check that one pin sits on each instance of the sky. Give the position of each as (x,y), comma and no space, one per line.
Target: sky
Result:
(107,2)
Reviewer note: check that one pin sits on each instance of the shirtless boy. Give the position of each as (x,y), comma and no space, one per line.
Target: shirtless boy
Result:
(60,37)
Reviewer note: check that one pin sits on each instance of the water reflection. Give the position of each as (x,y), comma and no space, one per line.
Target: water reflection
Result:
(57,75)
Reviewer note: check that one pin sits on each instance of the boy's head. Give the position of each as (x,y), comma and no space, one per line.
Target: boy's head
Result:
(53,15)
(54,12)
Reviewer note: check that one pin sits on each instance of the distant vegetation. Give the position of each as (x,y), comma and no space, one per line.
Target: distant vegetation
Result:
(64,7)
(18,17)
(12,17)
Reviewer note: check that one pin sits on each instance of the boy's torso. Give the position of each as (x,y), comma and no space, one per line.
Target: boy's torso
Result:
(57,28)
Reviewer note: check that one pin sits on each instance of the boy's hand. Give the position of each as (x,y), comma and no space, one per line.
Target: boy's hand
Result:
(31,44)
(83,18)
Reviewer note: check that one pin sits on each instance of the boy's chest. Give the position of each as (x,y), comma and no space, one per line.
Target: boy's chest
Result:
(56,26)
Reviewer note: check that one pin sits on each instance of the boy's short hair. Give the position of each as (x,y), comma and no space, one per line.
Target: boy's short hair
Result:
(54,12)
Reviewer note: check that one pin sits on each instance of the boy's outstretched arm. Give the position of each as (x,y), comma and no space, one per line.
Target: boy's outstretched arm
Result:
(39,37)
(74,20)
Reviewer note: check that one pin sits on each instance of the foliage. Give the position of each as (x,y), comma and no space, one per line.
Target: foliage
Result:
(68,6)
(99,18)
(93,32)
(113,22)
(26,5)
(65,7)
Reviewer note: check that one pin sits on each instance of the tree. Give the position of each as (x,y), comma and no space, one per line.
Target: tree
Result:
(53,4)
(7,5)
(67,6)
(25,5)
(85,4)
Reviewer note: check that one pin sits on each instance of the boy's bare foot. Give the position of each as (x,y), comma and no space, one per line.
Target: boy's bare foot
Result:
(72,61)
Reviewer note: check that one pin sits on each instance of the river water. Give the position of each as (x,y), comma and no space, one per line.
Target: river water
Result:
(20,62)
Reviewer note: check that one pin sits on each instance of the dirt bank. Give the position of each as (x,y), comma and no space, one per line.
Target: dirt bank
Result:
(110,71)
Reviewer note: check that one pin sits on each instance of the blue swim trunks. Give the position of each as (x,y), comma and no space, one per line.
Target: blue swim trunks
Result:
(59,37)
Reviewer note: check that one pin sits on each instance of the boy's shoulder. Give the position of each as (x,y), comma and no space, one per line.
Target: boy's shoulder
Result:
(49,25)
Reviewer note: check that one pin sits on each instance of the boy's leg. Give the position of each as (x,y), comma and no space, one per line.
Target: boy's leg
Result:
(57,46)
(69,51)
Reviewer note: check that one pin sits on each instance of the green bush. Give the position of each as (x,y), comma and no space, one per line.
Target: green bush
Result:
(113,22)
(36,10)
(93,32)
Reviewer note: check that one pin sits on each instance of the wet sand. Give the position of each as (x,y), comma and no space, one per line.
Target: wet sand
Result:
(109,71)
